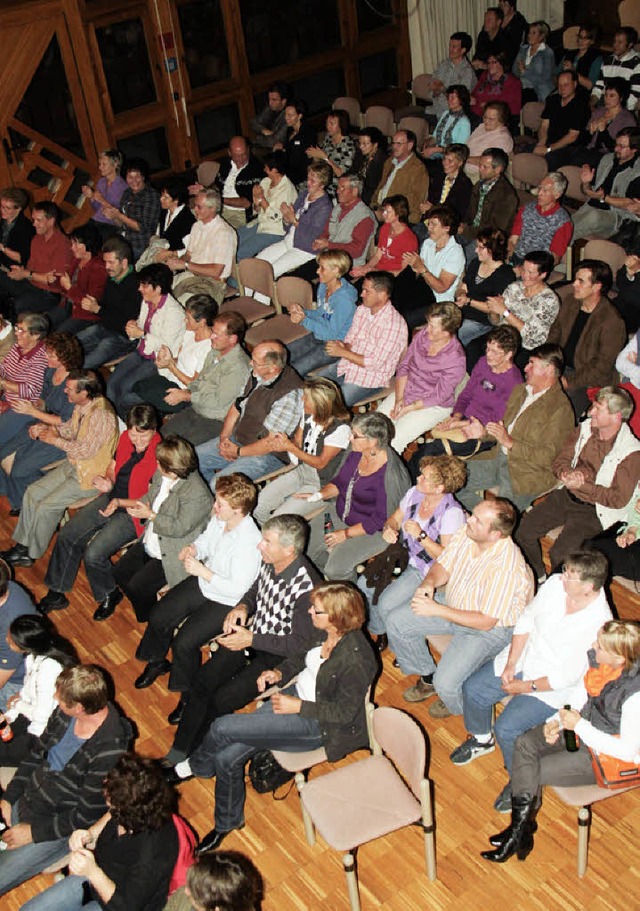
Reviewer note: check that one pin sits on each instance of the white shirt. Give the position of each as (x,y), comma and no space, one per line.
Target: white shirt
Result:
(306,682)
(191,357)
(233,558)
(36,697)
(150,538)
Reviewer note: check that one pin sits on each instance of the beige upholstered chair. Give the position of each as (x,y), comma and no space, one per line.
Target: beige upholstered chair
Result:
(352,107)
(289,289)
(380,116)
(255,277)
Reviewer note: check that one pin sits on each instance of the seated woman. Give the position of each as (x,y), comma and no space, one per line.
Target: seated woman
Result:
(176,221)
(626,303)
(496,83)
(324,708)
(395,238)
(367,489)
(483,399)
(175,509)
(435,271)
(180,371)
(161,322)
(16,229)
(107,192)
(424,522)
(127,858)
(606,121)
(273,191)
(137,215)
(492,133)
(338,149)
(369,161)
(535,63)
(98,531)
(315,450)
(305,220)
(220,879)
(453,126)
(46,654)
(452,186)
(222,564)
(88,278)
(22,370)
(426,377)
(299,136)
(621,542)
(332,317)
(586,61)
(608,723)
(487,275)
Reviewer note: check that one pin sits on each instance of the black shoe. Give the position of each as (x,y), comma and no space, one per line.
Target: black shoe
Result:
(18,555)
(106,608)
(212,841)
(14,512)
(152,671)
(53,601)
(175,717)
(520,839)
(382,642)
(171,776)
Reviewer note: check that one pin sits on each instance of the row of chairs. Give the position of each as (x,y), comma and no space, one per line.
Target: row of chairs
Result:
(384,118)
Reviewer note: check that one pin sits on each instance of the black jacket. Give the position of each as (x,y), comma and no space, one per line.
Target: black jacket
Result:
(250,175)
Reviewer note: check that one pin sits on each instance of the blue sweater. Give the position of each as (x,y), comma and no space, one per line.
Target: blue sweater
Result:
(333,316)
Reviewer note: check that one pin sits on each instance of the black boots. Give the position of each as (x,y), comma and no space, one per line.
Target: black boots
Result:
(518,837)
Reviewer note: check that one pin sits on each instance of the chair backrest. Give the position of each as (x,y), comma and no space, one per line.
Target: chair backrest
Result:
(292,290)
(531,115)
(605,250)
(570,38)
(421,86)
(401,738)
(574,190)
(379,116)
(257,275)
(352,107)
(528,169)
(419,126)
(207,172)
(629,13)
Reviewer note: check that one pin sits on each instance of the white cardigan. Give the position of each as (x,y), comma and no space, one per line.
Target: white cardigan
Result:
(36,698)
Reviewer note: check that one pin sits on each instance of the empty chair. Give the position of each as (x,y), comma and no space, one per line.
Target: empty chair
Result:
(605,250)
(206,173)
(289,290)
(418,125)
(379,116)
(420,94)
(352,107)
(527,170)
(574,190)
(377,795)
(531,116)
(255,277)
(570,38)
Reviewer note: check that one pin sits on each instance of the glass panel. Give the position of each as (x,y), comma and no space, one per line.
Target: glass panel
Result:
(51,112)
(373,14)
(125,60)
(152,146)
(378,72)
(288,31)
(215,127)
(319,90)
(74,196)
(205,42)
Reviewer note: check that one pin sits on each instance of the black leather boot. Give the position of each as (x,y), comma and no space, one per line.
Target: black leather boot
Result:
(501,837)
(519,839)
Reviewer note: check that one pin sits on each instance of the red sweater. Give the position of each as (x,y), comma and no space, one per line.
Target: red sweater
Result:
(92,280)
(142,472)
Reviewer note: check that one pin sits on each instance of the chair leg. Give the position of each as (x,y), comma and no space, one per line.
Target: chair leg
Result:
(428,827)
(349,864)
(584,825)
(309,829)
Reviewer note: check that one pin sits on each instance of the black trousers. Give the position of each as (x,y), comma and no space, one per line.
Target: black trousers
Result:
(140,577)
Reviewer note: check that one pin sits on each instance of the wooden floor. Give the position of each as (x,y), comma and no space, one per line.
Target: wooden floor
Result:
(391,870)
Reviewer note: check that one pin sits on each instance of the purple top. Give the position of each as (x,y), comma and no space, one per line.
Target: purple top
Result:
(368,498)
(432,379)
(312,220)
(447,518)
(485,395)
(112,193)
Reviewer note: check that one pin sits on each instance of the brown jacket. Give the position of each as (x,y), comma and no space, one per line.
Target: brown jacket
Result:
(499,209)
(412,181)
(602,340)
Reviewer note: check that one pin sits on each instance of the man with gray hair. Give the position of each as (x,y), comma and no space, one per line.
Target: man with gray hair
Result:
(597,470)
(272,619)
(542,224)
(210,252)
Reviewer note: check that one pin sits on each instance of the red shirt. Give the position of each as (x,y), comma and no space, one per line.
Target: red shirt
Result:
(52,255)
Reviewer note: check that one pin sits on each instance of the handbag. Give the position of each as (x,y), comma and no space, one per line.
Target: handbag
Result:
(614,773)
(381,570)
(266,773)
(456,435)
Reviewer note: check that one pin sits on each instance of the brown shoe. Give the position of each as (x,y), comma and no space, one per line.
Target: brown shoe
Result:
(420,691)
(439,710)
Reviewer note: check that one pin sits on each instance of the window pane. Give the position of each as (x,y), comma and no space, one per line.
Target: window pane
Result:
(125,60)
(288,31)
(214,128)
(152,146)
(205,42)
(378,72)
(319,90)
(373,14)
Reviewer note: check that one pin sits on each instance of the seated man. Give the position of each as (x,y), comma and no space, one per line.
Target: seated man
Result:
(269,126)
(628,300)
(542,225)
(105,339)
(350,227)
(89,440)
(210,252)
(597,470)
(403,174)
(488,586)
(494,201)
(491,40)
(537,419)
(624,63)
(271,403)
(611,189)
(564,121)
(455,70)
(373,345)
(235,180)
(590,331)
(36,287)
(223,377)
(272,619)
(57,790)
(14,602)
(543,668)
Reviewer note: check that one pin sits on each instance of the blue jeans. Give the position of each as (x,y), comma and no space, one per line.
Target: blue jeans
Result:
(481,691)
(351,392)
(232,740)
(491,473)
(396,596)
(66,895)
(31,457)
(11,423)
(308,353)
(250,243)
(120,384)
(102,345)
(21,864)
(212,463)
(471,329)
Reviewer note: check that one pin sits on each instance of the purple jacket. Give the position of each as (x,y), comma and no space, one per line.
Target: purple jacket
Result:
(432,379)
(312,221)
(486,394)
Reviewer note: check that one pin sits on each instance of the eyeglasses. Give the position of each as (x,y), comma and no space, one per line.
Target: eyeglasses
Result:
(357,436)
(20,329)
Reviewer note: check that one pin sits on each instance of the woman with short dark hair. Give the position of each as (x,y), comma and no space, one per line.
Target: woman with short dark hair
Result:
(87,278)
(16,230)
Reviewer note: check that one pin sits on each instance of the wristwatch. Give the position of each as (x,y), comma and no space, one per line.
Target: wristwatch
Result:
(534,688)
(422,536)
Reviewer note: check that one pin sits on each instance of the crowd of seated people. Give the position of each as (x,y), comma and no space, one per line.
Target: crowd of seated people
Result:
(429,268)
